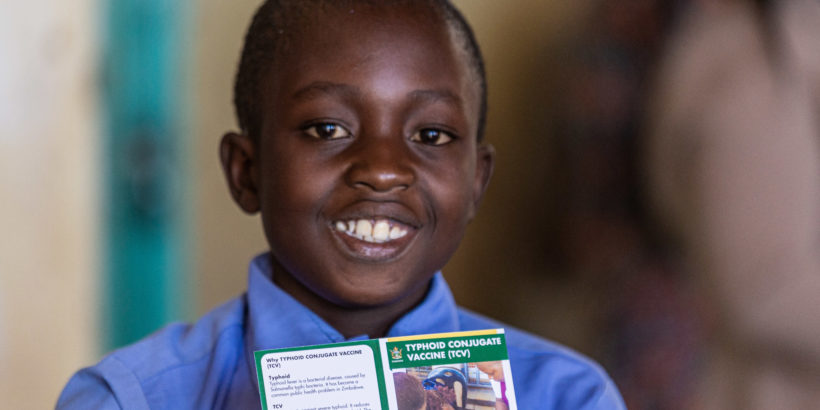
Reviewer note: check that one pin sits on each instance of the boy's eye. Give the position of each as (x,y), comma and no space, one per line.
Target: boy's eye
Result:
(431,136)
(327,131)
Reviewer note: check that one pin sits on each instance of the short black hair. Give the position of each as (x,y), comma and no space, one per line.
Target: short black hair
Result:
(266,36)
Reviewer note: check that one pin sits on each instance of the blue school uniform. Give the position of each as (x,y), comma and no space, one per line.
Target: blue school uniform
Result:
(209,365)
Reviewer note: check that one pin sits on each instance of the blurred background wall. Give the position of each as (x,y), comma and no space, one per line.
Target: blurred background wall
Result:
(49,196)
(115,218)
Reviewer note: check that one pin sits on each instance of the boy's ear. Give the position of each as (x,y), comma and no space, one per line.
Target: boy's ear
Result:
(485,162)
(237,154)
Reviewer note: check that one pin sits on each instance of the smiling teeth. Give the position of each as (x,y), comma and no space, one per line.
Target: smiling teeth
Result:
(378,231)
(381,231)
(364,228)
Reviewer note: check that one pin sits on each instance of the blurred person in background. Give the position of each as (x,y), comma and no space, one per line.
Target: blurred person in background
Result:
(643,320)
(733,171)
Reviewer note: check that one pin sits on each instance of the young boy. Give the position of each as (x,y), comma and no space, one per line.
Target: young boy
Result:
(360,144)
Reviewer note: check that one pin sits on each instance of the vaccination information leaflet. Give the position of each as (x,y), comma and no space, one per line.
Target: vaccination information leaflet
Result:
(463,370)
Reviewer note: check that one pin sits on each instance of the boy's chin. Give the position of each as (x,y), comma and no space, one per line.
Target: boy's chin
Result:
(357,286)
(374,297)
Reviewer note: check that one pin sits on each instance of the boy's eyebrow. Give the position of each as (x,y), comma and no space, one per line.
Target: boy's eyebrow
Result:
(436,95)
(315,89)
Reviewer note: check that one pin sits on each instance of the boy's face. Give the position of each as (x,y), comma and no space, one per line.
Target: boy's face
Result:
(367,169)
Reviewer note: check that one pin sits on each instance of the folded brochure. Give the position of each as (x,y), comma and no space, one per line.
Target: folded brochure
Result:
(463,370)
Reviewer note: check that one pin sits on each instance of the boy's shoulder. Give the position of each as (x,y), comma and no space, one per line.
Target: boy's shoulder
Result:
(178,344)
(522,342)
(179,351)
(547,372)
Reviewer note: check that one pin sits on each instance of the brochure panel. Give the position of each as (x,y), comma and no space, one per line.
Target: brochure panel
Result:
(458,371)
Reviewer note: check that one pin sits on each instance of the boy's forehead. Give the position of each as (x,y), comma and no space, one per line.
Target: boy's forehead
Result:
(411,35)
(338,22)
(284,32)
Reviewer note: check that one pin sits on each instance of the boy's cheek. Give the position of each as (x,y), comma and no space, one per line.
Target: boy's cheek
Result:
(454,192)
(288,181)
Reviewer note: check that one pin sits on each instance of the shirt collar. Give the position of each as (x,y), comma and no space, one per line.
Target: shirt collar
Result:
(277,320)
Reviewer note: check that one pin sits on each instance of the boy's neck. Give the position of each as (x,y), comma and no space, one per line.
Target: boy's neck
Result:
(373,321)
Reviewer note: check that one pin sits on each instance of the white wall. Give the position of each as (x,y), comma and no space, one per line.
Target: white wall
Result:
(48,191)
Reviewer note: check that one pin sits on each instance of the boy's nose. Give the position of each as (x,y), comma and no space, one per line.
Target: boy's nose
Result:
(381,165)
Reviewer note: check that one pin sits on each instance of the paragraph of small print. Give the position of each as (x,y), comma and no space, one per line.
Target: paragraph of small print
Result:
(334,378)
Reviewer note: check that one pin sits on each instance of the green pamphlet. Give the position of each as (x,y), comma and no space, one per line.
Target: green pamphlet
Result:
(458,371)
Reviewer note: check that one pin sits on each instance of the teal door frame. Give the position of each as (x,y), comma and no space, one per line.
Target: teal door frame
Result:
(143,54)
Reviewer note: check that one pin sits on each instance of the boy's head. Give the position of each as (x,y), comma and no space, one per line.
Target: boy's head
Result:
(359,145)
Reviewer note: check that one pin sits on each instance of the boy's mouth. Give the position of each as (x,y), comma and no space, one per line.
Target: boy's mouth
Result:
(379,230)
(374,239)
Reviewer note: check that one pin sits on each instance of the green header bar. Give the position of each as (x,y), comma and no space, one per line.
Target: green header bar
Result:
(450,350)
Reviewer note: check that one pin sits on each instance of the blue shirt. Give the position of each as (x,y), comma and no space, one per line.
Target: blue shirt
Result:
(209,364)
